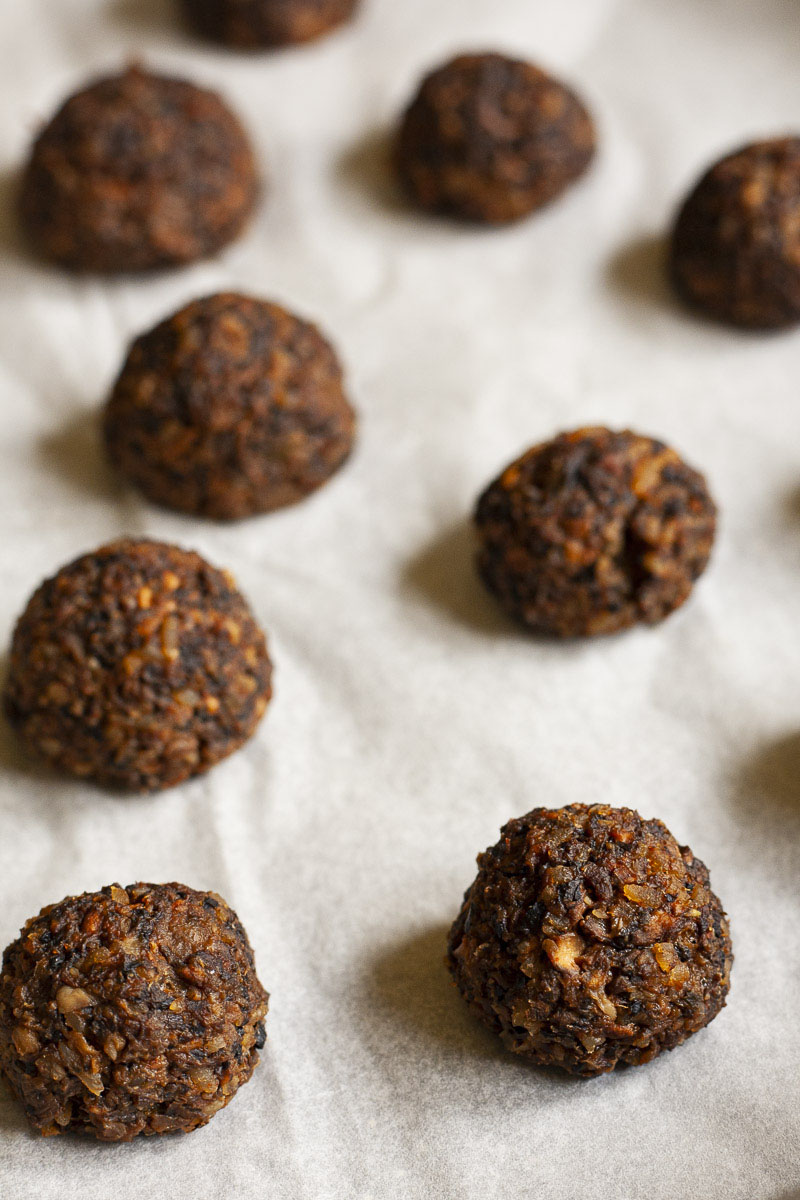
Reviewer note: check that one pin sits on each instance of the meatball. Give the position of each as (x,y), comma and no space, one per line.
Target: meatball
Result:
(137,172)
(736,245)
(488,138)
(250,24)
(231,407)
(130,1011)
(593,532)
(137,666)
(591,938)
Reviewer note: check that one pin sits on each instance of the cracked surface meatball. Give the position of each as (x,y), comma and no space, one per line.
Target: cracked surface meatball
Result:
(231,407)
(137,666)
(136,172)
(736,244)
(130,1011)
(250,24)
(591,938)
(593,532)
(488,138)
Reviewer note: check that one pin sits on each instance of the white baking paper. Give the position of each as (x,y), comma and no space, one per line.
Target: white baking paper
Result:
(410,719)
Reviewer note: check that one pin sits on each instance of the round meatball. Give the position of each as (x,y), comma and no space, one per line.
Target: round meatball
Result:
(137,666)
(488,138)
(130,1011)
(231,407)
(251,24)
(736,245)
(593,532)
(591,938)
(137,172)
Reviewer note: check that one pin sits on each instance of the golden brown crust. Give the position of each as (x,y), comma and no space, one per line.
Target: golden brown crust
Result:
(489,138)
(233,406)
(593,532)
(137,171)
(590,938)
(137,666)
(130,1011)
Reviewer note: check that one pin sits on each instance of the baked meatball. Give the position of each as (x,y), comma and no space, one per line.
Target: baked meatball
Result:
(736,245)
(232,406)
(130,1011)
(591,938)
(137,666)
(593,532)
(251,24)
(491,139)
(135,172)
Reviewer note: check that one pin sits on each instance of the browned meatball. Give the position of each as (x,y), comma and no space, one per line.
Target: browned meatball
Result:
(736,244)
(137,666)
(130,1011)
(593,532)
(136,172)
(250,24)
(232,406)
(488,138)
(591,938)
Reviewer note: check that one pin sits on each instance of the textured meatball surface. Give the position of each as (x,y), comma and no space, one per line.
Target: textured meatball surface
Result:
(591,938)
(231,407)
(137,666)
(593,532)
(736,244)
(136,172)
(250,24)
(488,138)
(130,1011)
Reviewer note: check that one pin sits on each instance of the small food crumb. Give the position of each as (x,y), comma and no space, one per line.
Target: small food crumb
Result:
(69,999)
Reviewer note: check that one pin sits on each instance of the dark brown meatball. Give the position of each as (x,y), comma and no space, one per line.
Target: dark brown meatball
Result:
(137,666)
(488,138)
(130,1011)
(250,24)
(136,172)
(736,244)
(591,938)
(593,532)
(230,407)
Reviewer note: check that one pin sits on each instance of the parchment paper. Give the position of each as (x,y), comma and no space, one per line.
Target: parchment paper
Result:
(410,719)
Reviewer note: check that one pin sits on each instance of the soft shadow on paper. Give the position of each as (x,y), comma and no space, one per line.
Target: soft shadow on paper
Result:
(12,1118)
(75,454)
(793,506)
(13,246)
(12,757)
(638,271)
(443,575)
(150,16)
(770,782)
(367,170)
(410,983)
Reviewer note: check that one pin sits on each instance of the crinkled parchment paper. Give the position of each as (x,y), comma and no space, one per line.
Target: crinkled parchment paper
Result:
(410,719)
